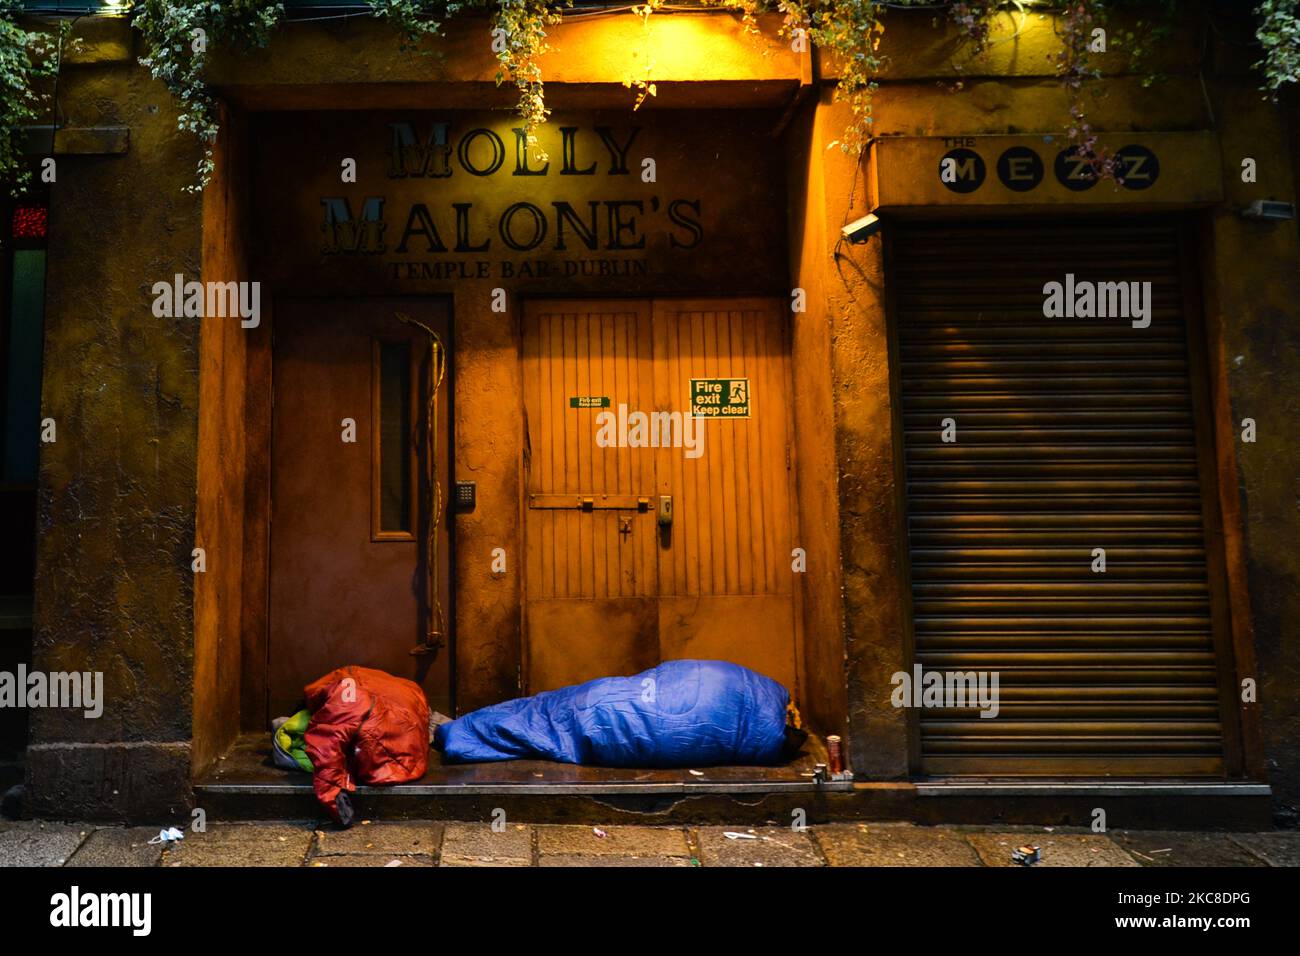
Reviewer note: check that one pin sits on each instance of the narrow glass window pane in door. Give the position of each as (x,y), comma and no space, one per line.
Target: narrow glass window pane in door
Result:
(395,473)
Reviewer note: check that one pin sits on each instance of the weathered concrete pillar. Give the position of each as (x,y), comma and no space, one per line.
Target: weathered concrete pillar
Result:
(873,597)
(1253,344)
(117,492)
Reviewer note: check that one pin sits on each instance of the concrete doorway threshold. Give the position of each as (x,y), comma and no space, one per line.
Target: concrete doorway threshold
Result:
(245,785)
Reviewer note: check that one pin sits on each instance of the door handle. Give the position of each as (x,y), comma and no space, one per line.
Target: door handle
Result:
(665,511)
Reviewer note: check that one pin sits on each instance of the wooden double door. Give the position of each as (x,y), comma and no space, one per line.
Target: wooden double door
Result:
(668,536)
(351,497)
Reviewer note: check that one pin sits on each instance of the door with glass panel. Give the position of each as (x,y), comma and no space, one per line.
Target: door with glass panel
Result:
(360,548)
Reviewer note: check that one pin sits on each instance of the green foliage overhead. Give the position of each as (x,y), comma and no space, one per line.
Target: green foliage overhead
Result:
(26,58)
(179,34)
(1279,35)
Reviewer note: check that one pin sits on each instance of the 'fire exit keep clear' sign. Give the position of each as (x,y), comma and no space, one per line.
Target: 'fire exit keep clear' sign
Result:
(719,398)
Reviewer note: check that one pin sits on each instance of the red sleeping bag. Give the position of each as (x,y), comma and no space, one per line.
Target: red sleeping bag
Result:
(365,725)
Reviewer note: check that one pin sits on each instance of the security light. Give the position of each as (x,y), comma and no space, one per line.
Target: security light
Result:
(860,230)
(1270,210)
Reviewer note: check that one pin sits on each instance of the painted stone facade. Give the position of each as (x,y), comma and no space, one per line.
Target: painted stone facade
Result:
(153,457)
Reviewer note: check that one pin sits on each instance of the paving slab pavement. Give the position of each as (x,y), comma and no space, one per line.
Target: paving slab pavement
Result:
(1281,848)
(1158,848)
(761,846)
(436,843)
(1057,849)
(893,844)
(242,844)
(477,844)
(603,860)
(384,839)
(633,842)
(371,859)
(119,847)
(36,843)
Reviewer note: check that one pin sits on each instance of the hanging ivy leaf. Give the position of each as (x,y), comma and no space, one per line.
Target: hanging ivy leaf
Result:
(26,59)
(179,34)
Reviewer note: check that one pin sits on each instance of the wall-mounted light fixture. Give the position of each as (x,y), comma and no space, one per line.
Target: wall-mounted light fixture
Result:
(1269,210)
(860,230)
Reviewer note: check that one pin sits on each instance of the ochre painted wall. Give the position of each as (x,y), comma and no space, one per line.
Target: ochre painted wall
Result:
(114,591)
(1254,290)
(817,472)
(846,299)
(123,495)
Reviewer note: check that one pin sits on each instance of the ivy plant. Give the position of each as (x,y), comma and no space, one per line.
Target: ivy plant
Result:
(1279,35)
(179,34)
(27,58)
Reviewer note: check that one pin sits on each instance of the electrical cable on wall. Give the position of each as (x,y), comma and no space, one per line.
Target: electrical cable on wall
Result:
(434,636)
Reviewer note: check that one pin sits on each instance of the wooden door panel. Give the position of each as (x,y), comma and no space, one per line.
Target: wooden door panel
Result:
(733,530)
(341,591)
(590,575)
(571,641)
(585,353)
(726,586)
(753,630)
(607,591)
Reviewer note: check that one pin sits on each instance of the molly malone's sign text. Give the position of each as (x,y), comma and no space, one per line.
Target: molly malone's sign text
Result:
(556,232)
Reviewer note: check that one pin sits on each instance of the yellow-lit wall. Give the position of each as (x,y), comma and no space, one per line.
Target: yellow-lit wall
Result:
(139,401)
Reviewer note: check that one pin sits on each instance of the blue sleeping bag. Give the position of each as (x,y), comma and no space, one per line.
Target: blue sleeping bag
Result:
(679,714)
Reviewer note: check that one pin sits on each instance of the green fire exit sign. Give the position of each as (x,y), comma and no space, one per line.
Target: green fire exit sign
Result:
(720,398)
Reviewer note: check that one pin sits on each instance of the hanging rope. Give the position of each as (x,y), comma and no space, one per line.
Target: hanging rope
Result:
(433,618)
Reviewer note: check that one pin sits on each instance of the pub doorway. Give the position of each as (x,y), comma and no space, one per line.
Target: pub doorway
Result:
(608,589)
(360,544)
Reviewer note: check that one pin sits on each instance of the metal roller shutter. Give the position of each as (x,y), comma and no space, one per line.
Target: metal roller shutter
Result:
(1071,434)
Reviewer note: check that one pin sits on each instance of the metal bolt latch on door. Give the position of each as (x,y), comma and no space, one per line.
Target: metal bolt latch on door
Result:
(665,511)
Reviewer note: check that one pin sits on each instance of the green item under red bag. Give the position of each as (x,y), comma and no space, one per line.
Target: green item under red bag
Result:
(368,726)
(289,742)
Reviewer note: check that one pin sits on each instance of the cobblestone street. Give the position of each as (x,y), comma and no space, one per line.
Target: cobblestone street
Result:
(431,843)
